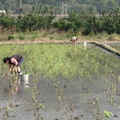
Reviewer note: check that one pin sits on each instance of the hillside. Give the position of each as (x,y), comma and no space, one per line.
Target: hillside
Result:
(59,6)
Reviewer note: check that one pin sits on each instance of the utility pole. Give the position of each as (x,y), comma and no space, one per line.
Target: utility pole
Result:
(20,4)
(64,8)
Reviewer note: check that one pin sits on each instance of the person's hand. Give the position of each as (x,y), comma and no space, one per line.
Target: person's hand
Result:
(6,73)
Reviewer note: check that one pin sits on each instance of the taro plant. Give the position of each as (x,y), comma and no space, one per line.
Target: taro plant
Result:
(67,61)
(13,89)
(36,102)
(108,114)
(25,73)
(61,97)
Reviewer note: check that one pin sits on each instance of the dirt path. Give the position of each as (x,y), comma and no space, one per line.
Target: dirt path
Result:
(55,41)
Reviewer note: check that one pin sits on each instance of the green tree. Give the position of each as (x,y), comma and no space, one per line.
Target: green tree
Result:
(1,6)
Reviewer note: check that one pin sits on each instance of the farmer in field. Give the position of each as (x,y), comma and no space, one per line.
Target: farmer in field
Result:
(73,40)
(14,63)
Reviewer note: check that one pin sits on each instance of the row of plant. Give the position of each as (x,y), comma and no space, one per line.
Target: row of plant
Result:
(85,22)
(67,61)
(12,89)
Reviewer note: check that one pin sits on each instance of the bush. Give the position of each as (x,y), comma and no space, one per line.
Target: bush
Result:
(11,37)
(51,37)
(87,23)
(21,37)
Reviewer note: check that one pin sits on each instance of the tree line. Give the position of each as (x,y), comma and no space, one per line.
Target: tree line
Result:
(87,23)
(13,6)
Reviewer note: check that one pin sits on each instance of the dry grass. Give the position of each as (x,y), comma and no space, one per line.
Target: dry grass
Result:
(53,35)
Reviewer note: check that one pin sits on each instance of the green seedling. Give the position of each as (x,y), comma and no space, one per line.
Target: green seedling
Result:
(108,114)
(25,73)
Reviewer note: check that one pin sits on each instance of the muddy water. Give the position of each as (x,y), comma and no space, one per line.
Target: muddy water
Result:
(60,99)
(115,45)
(80,99)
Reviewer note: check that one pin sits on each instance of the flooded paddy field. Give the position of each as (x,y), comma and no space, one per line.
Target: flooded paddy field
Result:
(65,83)
(115,45)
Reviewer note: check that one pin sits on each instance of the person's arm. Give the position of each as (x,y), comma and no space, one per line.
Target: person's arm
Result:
(71,41)
(10,69)
(13,60)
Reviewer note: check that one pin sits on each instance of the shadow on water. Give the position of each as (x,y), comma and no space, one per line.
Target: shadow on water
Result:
(60,99)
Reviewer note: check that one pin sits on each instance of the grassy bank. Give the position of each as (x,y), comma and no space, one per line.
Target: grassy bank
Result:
(53,35)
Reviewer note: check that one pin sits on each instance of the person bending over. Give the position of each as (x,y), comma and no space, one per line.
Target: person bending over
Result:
(14,63)
(73,40)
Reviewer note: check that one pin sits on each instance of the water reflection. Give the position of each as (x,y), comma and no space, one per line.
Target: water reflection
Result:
(25,83)
(118,80)
(13,85)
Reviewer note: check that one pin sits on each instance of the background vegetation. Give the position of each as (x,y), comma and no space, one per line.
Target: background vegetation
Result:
(73,5)
(85,18)
(86,23)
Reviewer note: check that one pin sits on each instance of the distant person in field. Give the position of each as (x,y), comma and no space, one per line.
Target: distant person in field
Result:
(14,63)
(73,40)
